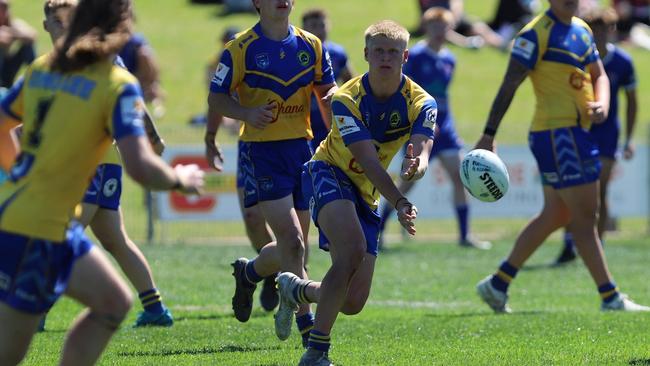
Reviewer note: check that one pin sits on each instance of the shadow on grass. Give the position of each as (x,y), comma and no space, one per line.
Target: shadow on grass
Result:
(482,314)
(549,266)
(218,316)
(639,362)
(199,351)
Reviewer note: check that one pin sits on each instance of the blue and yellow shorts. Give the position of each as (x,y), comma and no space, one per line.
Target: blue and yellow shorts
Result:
(105,188)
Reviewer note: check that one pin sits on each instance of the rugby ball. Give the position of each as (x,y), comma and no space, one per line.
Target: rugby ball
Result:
(484,175)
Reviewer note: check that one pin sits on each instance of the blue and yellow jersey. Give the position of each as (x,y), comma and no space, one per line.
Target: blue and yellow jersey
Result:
(69,121)
(559,56)
(358,115)
(262,71)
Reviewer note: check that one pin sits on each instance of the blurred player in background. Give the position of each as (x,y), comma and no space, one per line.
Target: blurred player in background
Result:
(44,253)
(431,66)
(558,52)
(317,22)
(16,44)
(374,115)
(101,203)
(273,68)
(620,71)
(257,230)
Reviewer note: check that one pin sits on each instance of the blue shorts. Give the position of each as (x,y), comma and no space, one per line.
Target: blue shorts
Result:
(240,173)
(606,137)
(566,157)
(271,170)
(105,188)
(323,183)
(34,273)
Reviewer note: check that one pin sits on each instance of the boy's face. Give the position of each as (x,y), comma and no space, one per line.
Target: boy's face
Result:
(57,22)
(317,26)
(564,8)
(385,56)
(274,9)
(436,30)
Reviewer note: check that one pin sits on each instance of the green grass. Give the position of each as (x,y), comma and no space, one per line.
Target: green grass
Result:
(422,311)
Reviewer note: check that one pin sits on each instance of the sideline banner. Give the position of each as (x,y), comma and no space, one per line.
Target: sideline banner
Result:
(628,194)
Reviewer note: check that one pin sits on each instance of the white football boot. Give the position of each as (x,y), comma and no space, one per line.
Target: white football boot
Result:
(622,303)
(497,300)
(287,282)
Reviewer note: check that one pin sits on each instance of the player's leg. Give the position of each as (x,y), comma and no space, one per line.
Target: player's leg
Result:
(16,333)
(108,227)
(259,235)
(94,283)
(555,214)
(450,160)
(607,165)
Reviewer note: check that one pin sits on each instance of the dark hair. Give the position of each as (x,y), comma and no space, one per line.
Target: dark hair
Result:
(98,29)
(316,13)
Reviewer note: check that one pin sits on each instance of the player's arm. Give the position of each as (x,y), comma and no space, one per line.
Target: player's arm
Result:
(515,75)
(365,154)
(213,152)
(599,108)
(157,143)
(9,145)
(630,122)
(140,162)
(324,95)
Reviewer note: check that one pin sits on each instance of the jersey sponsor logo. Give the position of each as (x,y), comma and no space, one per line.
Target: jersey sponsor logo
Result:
(577,80)
(132,110)
(221,73)
(282,108)
(110,187)
(346,125)
(304,58)
(523,47)
(395,119)
(430,118)
(491,185)
(262,60)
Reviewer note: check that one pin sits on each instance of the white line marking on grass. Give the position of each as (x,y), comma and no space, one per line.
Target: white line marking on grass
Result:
(418,304)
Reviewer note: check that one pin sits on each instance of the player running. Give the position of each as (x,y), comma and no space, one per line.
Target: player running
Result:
(273,67)
(432,65)
(558,52)
(44,253)
(374,115)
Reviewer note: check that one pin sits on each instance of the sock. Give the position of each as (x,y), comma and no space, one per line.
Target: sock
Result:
(152,301)
(300,292)
(568,241)
(305,324)
(608,291)
(462,215)
(250,274)
(503,276)
(319,341)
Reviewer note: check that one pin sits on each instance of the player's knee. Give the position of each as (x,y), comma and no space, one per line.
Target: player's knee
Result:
(294,246)
(354,305)
(114,305)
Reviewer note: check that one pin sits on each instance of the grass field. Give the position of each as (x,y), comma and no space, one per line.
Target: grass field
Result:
(422,311)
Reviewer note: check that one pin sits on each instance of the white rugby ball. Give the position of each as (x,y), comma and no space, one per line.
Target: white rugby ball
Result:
(484,175)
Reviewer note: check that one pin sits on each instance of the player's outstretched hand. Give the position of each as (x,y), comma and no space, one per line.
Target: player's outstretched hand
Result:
(190,178)
(213,152)
(486,143)
(261,116)
(597,113)
(411,169)
(406,214)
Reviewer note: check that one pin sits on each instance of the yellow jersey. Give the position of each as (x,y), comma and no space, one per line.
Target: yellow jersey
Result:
(358,115)
(282,73)
(69,121)
(559,56)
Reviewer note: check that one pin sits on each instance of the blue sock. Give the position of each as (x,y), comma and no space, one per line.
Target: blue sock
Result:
(152,301)
(568,241)
(319,341)
(608,291)
(305,324)
(462,215)
(250,274)
(503,276)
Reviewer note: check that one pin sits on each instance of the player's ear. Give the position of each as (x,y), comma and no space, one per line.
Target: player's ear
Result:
(405,56)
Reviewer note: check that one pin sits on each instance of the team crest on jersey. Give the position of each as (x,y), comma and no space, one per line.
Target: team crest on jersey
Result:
(304,58)
(523,48)
(262,60)
(576,80)
(395,119)
(586,40)
(430,118)
(110,187)
(132,109)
